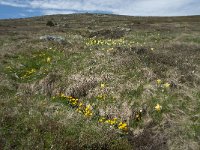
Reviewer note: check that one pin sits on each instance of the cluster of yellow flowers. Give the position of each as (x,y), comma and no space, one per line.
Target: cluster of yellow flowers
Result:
(115,123)
(77,104)
(28,73)
(87,111)
(101,97)
(123,126)
(43,56)
(34,66)
(158,107)
(102,85)
(109,42)
(166,85)
(159,82)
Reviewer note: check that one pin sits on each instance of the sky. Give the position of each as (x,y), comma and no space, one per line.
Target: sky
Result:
(30,8)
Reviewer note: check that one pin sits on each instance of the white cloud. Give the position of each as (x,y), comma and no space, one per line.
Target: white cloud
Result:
(82,5)
(128,7)
(158,8)
(13,4)
(51,12)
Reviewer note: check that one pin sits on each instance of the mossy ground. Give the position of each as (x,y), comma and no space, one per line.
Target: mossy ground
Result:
(109,62)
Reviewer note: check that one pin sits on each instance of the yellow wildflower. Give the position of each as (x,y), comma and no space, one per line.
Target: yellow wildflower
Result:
(88,113)
(158,81)
(158,107)
(48,59)
(80,104)
(101,119)
(62,95)
(100,96)
(122,126)
(74,102)
(102,85)
(78,110)
(33,70)
(152,49)
(88,106)
(30,71)
(107,121)
(114,121)
(166,85)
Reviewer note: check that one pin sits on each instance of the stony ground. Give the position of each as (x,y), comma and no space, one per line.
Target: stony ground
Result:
(100,82)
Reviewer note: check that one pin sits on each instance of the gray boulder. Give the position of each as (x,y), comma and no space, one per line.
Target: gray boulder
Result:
(55,38)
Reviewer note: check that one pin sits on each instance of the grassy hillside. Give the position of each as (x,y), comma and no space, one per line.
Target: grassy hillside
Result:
(104,82)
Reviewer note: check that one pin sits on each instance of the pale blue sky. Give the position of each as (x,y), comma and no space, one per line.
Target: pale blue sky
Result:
(29,8)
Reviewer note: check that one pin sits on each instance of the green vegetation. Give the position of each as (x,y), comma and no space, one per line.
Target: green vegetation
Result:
(50,23)
(116,82)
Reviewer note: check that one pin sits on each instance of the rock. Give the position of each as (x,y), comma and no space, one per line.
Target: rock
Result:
(55,38)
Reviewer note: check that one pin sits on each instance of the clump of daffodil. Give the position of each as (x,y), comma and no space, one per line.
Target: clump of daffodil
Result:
(166,85)
(102,85)
(111,122)
(24,76)
(31,71)
(73,101)
(115,123)
(158,107)
(88,111)
(28,73)
(123,126)
(102,119)
(62,95)
(107,42)
(80,107)
(158,81)
(48,59)
(101,97)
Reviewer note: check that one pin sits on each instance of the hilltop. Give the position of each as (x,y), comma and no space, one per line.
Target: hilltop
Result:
(98,81)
